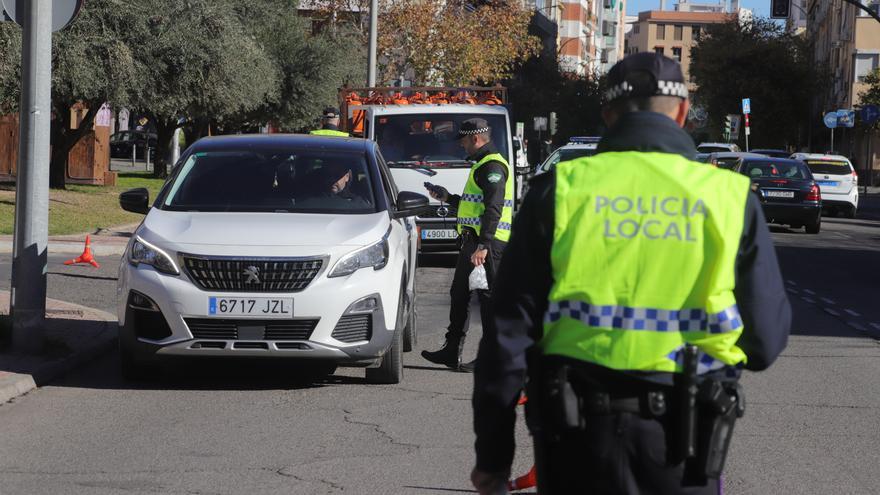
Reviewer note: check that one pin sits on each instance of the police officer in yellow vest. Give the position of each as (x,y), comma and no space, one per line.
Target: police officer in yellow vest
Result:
(485,212)
(637,285)
(329,124)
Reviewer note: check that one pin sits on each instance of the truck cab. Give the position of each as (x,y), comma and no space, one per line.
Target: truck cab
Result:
(419,144)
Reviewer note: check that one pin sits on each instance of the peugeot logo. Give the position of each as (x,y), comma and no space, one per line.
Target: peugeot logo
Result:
(253,275)
(442,211)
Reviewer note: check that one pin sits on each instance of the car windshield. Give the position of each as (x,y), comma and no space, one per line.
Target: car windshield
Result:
(829,167)
(712,149)
(727,163)
(775,170)
(564,155)
(430,141)
(290,181)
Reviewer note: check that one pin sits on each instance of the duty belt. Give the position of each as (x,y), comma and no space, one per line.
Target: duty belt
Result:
(653,403)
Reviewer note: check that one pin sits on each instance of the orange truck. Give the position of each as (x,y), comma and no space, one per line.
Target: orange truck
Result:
(416,130)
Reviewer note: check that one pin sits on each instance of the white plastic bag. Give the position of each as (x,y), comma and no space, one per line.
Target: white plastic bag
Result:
(477,279)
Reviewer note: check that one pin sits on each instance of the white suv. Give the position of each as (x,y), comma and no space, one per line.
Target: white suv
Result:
(281,246)
(837,180)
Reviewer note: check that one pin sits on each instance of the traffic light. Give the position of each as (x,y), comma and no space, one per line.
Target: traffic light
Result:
(553,123)
(728,124)
(779,9)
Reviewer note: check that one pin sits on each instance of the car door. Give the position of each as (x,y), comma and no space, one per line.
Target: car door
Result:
(403,230)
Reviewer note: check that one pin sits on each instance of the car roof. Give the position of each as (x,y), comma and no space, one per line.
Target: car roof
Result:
(275,141)
(820,156)
(722,145)
(774,150)
(736,154)
(772,160)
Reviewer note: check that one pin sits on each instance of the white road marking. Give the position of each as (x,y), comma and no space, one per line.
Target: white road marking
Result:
(793,291)
(827,301)
(807,299)
(876,325)
(808,291)
(851,312)
(857,326)
(831,311)
(791,282)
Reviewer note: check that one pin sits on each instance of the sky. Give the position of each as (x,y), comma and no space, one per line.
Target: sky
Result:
(761,8)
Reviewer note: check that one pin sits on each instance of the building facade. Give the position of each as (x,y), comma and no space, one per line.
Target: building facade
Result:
(671,33)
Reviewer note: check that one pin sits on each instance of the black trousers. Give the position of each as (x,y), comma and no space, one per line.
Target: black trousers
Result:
(620,453)
(460,292)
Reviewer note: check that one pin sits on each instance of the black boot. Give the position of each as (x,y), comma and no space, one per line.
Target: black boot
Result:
(467,367)
(448,355)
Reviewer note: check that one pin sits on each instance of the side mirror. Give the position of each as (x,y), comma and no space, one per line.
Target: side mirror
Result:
(135,200)
(410,204)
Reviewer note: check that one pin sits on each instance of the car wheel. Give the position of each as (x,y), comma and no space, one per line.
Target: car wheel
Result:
(390,371)
(410,331)
(813,228)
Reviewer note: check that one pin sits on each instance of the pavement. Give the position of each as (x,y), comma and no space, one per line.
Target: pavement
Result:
(74,335)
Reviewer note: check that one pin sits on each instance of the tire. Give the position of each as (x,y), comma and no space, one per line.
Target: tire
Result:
(390,371)
(813,228)
(410,331)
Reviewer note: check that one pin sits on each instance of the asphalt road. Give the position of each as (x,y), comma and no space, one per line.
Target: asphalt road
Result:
(810,428)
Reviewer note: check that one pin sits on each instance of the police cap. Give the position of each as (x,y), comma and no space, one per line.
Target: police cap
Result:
(645,74)
(331,113)
(473,126)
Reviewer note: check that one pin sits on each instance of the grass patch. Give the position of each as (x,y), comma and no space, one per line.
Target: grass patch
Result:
(80,209)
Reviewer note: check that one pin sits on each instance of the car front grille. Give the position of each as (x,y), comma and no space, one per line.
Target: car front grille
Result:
(252,274)
(354,328)
(435,212)
(246,329)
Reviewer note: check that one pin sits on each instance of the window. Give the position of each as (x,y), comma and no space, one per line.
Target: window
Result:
(636,28)
(865,63)
(658,50)
(678,32)
(695,33)
(661,31)
(676,53)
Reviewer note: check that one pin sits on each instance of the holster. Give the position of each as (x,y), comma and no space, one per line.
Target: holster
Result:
(719,405)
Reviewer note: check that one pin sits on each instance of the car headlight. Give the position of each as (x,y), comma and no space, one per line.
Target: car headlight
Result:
(143,252)
(375,256)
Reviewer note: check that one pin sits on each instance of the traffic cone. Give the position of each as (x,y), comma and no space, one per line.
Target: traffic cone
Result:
(527,480)
(86,257)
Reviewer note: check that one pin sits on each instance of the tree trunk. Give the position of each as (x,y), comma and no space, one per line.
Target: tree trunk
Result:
(195,130)
(64,138)
(165,128)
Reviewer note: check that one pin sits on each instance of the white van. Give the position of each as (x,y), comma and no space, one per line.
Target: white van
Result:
(837,180)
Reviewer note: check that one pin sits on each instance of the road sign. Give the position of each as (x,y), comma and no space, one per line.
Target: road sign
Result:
(846,118)
(780,9)
(540,124)
(63,12)
(747,106)
(830,120)
(735,121)
(870,114)
(520,130)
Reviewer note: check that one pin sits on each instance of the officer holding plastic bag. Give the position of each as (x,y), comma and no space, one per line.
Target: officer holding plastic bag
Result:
(485,213)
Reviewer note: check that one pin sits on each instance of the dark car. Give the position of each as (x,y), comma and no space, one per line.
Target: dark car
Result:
(122,142)
(789,194)
(772,153)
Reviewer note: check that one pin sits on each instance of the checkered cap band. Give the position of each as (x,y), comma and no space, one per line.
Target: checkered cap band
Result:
(664,88)
(471,132)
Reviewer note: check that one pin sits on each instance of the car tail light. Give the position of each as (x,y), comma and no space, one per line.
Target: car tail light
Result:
(855,177)
(814,194)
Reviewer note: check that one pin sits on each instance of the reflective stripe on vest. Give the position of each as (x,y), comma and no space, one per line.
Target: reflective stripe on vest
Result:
(643,258)
(471,207)
(329,132)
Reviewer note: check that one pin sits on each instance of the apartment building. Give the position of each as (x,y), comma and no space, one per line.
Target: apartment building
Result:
(672,33)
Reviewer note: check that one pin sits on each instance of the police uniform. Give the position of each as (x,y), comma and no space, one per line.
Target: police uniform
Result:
(484,217)
(618,264)
(329,129)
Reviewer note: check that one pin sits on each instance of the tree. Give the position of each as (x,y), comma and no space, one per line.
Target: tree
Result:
(761,61)
(871,94)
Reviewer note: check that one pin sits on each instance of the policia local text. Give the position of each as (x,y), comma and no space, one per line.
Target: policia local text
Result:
(676,227)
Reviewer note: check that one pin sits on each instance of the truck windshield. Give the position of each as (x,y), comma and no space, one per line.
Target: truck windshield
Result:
(429,141)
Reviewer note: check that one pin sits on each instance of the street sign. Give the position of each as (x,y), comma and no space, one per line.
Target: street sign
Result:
(830,120)
(747,106)
(540,124)
(520,130)
(780,9)
(63,12)
(735,121)
(846,118)
(870,114)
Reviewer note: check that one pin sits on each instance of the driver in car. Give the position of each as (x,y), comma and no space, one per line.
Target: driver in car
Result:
(334,181)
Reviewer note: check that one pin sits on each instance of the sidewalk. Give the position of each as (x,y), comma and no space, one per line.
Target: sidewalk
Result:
(103,241)
(74,335)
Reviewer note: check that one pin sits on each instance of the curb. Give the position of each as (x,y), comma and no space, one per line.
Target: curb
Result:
(13,385)
(6,247)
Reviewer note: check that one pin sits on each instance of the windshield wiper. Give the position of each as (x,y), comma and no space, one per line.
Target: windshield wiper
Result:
(415,165)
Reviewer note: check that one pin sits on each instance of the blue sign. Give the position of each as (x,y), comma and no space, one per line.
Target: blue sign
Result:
(846,118)
(747,105)
(830,120)
(870,114)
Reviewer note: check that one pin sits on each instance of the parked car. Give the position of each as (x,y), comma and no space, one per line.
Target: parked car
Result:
(728,159)
(278,246)
(577,147)
(789,194)
(122,142)
(717,147)
(772,153)
(838,180)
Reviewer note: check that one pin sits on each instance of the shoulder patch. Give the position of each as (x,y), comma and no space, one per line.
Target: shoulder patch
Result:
(494,177)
